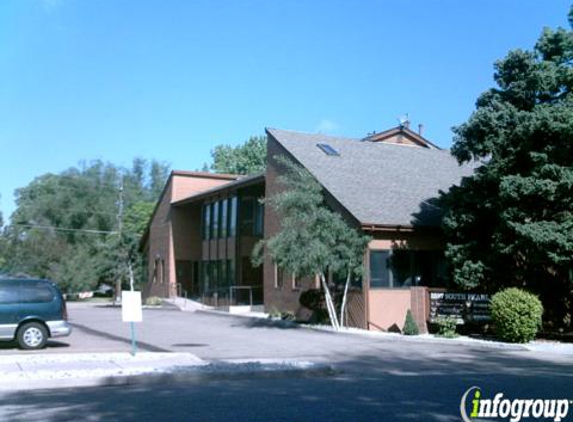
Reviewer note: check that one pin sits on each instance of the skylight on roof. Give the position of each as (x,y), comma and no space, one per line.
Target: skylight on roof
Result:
(328,150)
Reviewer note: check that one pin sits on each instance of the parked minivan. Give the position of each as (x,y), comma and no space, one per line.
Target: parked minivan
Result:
(31,311)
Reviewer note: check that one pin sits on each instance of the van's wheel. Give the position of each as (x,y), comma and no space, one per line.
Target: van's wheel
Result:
(32,335)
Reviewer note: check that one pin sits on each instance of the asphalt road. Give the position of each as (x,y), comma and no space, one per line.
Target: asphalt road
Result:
(377,379)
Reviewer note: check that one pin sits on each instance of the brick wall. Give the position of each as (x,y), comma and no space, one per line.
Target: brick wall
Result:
(174,233)
(420,307)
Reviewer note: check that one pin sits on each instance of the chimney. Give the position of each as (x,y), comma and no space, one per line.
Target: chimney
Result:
(420,129)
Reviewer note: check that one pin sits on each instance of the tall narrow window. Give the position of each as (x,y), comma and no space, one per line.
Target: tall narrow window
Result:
(296,282)
(207,221)
(224,280)
(279,275)
(259,218)
(155,271)
(206,272)
(231,271)
(162,266)
(233,216)
(223,219)
(214,220)
(247,216)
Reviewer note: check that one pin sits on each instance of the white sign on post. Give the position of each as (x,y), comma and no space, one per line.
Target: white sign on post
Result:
(131,306)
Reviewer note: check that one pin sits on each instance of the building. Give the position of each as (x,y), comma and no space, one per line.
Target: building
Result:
(205,225)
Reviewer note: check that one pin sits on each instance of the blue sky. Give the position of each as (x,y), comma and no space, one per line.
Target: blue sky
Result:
(170,79)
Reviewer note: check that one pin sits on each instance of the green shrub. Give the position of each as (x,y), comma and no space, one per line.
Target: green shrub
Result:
(516,315)
(274,313)
(153,301)
(313,299)
(447,326)
(410,326)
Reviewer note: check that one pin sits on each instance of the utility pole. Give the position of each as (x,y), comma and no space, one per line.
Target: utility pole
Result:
(120,234)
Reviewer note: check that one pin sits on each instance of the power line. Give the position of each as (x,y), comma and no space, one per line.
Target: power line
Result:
(90,231)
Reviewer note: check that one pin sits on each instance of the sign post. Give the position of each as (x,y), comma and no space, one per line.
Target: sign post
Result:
(131,312)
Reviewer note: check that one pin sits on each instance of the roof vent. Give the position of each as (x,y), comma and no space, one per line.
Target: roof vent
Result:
(328,150)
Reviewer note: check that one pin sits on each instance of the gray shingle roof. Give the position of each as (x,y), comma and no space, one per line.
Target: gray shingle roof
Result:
(378,183)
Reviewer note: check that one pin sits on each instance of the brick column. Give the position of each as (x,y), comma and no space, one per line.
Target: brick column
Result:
(420,307)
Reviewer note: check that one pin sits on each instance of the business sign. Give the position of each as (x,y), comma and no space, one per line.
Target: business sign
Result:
(465,307)
(131,306)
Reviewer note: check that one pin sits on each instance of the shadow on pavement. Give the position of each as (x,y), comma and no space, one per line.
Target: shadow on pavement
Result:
(51,344)
(140,344)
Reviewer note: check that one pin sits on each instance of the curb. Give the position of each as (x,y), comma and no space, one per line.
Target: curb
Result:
(217,371)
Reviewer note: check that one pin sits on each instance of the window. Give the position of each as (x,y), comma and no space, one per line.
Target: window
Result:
(252,217)
(215,220)
(224,276)
(418,268)
(259,218)
(205,270)
(402,268)
(8,292)
(247,216)
(282,278)
(223,223)
(328,150)
(296,282)
(279,277)
(232,213)
(231,272)
(35,293)
(402,265)
(379,274)
(206,221)
(155,270)
(214,276)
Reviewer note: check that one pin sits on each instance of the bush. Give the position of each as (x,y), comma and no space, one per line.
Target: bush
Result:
(153,301)
(516,315)
(274,313)
(410,326)
(313,299)
(447,326)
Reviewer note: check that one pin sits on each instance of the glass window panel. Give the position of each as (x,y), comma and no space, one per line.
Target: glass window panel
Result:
(8,292)
(379,271)
(215,220)
(205,270)
(402,262)
(224,281)
(232,271)
(206,221)
(259,218)
(247,216)
(279,277)
(35,293)
(223,219)
(233,216)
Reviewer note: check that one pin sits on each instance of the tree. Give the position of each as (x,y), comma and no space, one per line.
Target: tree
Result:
(2,246)
(248,158)
(313,240)
(66,226)
(511,223)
